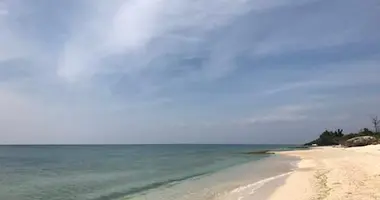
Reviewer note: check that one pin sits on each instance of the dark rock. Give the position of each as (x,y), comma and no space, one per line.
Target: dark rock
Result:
(361,141)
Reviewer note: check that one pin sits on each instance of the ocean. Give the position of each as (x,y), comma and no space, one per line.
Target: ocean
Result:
(149,172)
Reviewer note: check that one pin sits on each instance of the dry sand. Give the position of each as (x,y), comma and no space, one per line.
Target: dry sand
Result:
(333,174)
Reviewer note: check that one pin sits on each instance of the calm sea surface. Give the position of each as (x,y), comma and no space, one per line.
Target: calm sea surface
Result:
(126,171)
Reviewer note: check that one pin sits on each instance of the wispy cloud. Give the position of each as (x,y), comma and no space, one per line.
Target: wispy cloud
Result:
(336,75)
(141,65)
(3,9)
(288,113)
(133,29)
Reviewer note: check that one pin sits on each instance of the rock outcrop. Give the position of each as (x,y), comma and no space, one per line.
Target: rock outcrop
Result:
(361,141)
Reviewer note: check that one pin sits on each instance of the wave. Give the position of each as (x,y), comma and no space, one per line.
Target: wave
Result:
(259,152)
(137,190)
(253,187)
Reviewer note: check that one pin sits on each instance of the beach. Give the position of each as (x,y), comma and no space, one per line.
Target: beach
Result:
(189,172)
(330,173)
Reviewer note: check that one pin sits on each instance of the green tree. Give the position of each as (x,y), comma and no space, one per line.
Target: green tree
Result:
(366,131)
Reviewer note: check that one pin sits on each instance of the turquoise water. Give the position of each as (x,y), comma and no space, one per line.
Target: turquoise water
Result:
(111,172)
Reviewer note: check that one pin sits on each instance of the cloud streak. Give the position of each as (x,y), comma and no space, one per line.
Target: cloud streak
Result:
(358,73)
(288,113)
(130,28)
(76,70)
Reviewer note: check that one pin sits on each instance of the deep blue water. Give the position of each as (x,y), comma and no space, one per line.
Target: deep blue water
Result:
(110,172)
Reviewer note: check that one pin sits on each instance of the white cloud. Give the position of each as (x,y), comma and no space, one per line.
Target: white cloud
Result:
(134,25)
(341,74)
(142,40)
(128,29)
(299,113)
(293,86)
(288,113)
(13,44)
(3,9)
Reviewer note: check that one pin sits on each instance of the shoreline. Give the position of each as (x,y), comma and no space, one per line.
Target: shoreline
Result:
(265,177)
(332,173)
(252,180)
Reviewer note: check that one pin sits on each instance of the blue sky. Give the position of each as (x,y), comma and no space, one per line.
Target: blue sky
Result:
(185,71)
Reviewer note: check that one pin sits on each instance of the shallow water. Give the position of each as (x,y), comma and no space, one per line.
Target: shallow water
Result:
(132,171)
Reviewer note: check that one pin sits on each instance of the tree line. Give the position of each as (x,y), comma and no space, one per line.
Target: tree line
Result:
(337,137)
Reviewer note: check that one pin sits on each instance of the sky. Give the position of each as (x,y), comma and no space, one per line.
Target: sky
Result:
(186,71)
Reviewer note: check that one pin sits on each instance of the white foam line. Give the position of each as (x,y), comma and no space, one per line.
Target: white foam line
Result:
(294,164)
(258,184)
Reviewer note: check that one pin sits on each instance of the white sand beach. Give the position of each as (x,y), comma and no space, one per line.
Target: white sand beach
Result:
(333,174)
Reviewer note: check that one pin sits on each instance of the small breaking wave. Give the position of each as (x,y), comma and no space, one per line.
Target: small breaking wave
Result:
(256,185)
(246,190)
